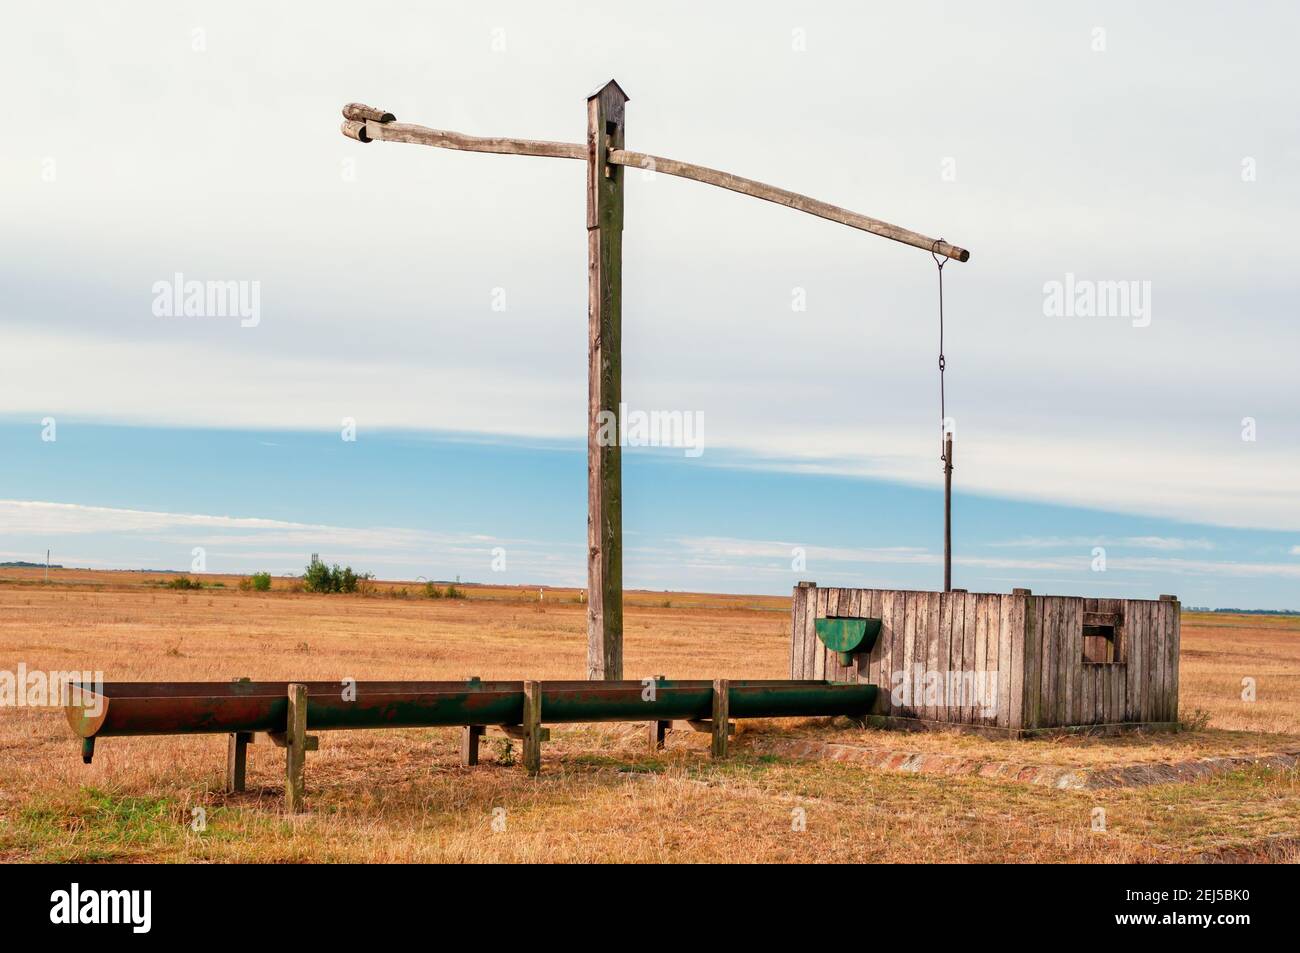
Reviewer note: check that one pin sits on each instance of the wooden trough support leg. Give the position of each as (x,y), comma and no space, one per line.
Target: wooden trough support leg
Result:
(295,749)
(533,727)
(721,712)
(237,761)
(237,757)
(658,729)
(470,736)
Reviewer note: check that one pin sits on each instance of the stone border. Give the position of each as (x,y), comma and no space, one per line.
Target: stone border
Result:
(1062,777)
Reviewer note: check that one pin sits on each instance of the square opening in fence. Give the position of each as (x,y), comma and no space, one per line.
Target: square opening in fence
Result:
(1099,645)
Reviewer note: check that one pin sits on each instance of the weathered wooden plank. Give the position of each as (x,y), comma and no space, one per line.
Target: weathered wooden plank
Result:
(832,609)
(889,616)
(836,606)
(1087,712)
(971,659)
(1167,678)
(798,606)
(955,649)
(1063,662)
(993,662)
(819,650)
(810,641)
(982,638)
(1155,681)
(933,607)
(1139,622)
(1175,637)
(1161,662)
(871,673)
(1148,638)
(1033,674)
(1167,610)
(909,600)
(1074,657)
(605,131)
(1117,691)
(947,601)
(861,661)
(995,657)
(1048,671)
(1122,653)
(1011,651)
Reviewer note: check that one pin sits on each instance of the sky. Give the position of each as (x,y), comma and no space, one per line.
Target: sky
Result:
(436,300)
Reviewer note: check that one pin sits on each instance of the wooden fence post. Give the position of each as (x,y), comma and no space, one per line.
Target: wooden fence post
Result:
(721,715)
(533,727)
(605,130)
(295,748)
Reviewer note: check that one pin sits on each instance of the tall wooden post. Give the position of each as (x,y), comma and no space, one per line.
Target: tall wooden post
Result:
(947,513)
(604,385)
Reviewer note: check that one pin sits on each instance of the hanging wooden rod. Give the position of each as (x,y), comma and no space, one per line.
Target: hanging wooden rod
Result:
(366,124)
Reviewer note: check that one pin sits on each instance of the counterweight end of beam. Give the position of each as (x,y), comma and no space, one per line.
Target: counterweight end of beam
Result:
(361,112)
(355,129)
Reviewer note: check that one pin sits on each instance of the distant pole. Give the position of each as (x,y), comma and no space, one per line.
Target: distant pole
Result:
(604,385)
(947,513)
(47,565)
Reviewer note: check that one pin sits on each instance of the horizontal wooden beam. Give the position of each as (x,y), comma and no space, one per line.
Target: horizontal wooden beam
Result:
(794,200)
(367,124)
(444,139)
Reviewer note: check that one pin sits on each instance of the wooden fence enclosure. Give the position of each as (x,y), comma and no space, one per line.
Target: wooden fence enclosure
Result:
(1001,663)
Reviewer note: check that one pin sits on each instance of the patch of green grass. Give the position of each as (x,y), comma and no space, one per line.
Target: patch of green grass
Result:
(99,826)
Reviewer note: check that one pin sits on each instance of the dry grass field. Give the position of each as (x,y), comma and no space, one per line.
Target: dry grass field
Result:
(402,795)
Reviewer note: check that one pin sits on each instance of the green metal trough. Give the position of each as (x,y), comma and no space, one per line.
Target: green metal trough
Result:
(183,708)
(284,712)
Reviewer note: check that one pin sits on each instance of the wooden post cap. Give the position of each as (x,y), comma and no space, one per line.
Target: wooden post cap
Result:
(1021,592)
(1168,598)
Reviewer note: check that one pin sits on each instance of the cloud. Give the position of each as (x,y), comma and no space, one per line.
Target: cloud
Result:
(1164,543)
(723,553)
(377,287)
(248,542)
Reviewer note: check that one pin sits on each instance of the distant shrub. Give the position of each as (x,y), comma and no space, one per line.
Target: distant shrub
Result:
(184,582)
(318,578)
(453,593)
(322,578)
(261,581)
(432,590)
